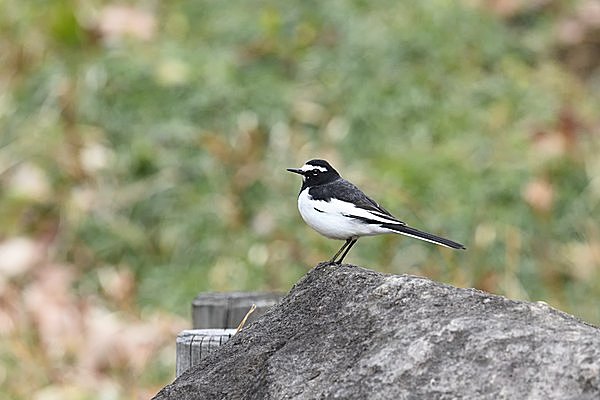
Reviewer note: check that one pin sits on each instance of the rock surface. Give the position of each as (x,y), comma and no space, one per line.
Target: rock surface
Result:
(344,332)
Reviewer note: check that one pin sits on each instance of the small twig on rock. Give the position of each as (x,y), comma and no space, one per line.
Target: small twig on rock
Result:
(241,325)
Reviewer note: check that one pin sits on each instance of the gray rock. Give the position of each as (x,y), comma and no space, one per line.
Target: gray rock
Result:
(344,332)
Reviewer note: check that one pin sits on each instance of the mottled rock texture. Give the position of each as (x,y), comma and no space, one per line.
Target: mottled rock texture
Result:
(344,332)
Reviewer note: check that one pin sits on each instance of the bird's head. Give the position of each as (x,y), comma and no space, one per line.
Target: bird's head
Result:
(316,172)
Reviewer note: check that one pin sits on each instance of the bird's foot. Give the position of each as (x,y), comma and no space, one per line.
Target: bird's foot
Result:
(323,264)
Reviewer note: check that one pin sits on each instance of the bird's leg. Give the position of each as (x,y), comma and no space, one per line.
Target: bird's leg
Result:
(352,242)
(340,251)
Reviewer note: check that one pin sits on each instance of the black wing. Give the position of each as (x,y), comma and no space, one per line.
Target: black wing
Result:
(348,192)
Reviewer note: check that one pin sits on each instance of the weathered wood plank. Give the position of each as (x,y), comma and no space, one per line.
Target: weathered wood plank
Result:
(215,317)
(195,344)
(226,310)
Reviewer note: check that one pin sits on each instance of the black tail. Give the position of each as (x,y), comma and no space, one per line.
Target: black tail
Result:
(428,237)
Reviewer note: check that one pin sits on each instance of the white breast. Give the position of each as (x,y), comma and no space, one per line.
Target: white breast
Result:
(330,220)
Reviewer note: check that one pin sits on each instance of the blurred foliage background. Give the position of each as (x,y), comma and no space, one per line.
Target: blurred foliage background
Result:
(143,148)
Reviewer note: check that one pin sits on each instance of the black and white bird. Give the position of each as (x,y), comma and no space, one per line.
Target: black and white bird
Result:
(339,210)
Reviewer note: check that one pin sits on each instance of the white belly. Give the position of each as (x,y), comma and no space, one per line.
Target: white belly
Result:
(330,220)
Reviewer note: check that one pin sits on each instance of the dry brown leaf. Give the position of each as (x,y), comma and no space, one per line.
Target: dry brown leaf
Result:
(116,22)
(549,145)
(50,302)
(589,13)
(118,284)
(29,181)
(539,194)
(18,255)
(585,259)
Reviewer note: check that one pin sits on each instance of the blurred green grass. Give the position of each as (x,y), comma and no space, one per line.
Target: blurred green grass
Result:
(152,140)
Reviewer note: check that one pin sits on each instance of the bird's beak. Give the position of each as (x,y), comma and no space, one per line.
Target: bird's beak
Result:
(296,170)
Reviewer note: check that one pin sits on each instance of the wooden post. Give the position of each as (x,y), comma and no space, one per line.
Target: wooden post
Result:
(215,317)
(226,310)
(195,344)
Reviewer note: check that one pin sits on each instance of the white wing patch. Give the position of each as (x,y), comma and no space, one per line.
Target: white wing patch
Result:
(350,210)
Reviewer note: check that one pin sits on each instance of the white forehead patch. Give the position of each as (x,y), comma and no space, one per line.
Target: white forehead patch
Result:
(308,167)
